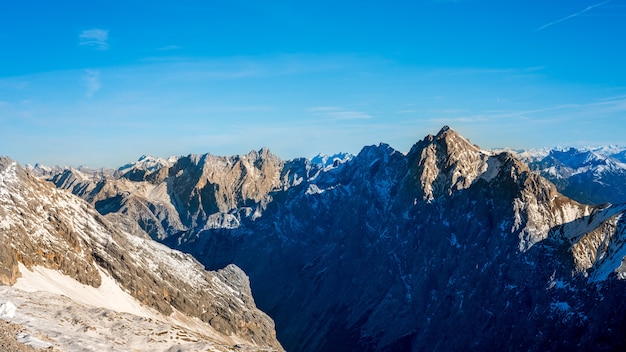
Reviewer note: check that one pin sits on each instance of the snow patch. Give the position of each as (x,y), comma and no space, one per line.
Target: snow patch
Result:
(52,320)
(7,176)
(32,341)
(148,163)
(313,189)
(330,161)
(109,295)
(221,221)
(611,259)
(7,310)
(492,169)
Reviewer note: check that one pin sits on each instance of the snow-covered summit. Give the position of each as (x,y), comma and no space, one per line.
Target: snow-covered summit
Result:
(587,160)
(525,155)
(325,160)
(535,154)
(607,150)
(148,163)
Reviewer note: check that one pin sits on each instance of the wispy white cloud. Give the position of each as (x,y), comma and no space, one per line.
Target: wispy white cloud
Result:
(14,84)
(478,71)
(91,81)
(94,38)
(264,66)
(558,113)
(169,48)
(324,108)
(349,115)
(499,115)
(226,109)
(573,15)
(338,113)
(446,111)
(615,104)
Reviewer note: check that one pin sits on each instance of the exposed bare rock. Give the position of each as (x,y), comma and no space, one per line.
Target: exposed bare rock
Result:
(179,194)
(444,163)
(147,203)
(44,226)
(205,185)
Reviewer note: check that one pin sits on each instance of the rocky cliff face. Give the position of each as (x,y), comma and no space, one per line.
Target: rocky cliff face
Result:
(448,247)
(41,226)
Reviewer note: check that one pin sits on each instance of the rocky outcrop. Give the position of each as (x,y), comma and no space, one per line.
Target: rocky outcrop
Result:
(43,232)
(45,226)
(445,163)
(201,186)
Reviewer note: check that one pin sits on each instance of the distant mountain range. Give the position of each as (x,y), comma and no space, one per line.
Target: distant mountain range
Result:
(586,175)
(446,247)
(589,175)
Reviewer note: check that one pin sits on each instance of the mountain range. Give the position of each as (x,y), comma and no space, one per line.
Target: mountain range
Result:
(75,280)
(446,247)
(592,176)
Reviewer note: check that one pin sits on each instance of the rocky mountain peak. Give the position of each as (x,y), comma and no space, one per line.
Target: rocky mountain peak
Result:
(146,168)
(206,189)
(5,162)
(444,163)
(444,129)
(374,153)
(263,153)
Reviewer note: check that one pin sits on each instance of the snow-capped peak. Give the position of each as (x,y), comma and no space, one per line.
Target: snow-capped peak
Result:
(325,160)
(525,155)
(148,163)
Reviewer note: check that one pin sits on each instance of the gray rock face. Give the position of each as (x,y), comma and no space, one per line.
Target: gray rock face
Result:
(448,247)
(41,225)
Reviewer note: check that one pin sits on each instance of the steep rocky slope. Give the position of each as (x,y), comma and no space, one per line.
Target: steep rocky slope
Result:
(448,247)
(44,227)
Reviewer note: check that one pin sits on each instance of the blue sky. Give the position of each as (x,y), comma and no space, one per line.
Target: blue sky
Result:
(100,83)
